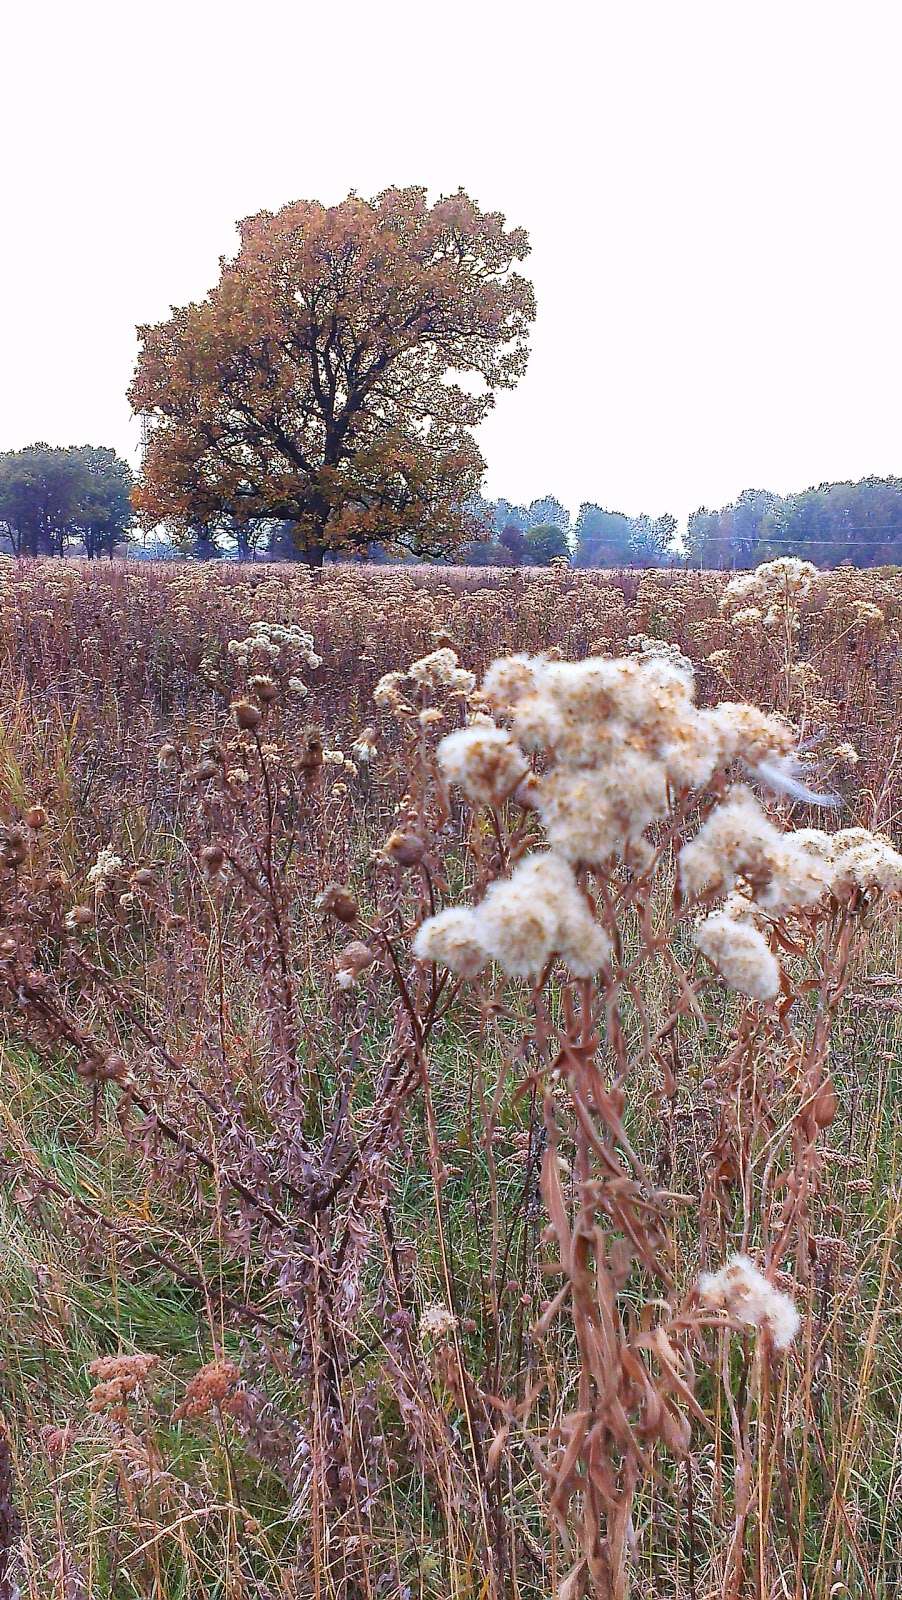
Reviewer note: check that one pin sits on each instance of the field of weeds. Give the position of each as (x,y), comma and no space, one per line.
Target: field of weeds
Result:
(449,1122)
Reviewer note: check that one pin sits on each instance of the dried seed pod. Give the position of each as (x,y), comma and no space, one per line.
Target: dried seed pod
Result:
(338,901)
(212,860)
(80,917)
(14,850)
(265,688)
(247,715)
(114,1069)
(311,757)
(90,1068)
(405,848)
(355,959)
(143,878)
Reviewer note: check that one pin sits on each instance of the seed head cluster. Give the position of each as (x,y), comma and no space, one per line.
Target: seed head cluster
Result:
(537,912)
(787,576)
(778,875)
(618,741)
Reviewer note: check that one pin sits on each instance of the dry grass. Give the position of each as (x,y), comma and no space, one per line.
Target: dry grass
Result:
(217,1157)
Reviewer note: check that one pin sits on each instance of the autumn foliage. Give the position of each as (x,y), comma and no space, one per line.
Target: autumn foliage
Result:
(332,377)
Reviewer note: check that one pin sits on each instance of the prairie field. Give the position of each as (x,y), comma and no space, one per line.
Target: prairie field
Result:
(392,1207)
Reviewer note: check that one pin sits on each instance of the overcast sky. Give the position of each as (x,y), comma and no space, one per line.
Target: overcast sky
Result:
(711,191)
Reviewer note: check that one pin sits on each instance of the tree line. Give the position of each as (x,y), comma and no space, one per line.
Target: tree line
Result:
(79,500)
(537,534)
(856,522)
(321,401)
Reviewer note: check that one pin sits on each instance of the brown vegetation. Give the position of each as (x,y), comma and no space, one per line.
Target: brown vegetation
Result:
(336,1272)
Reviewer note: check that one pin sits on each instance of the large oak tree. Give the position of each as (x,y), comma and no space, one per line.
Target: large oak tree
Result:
(333,376)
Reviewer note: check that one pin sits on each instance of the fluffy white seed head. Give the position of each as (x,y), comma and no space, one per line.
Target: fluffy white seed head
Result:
(740,953)
(736,837)
(484,761)
(105,867)
(523,920)
(865,861)
(518,920)
(592,813)
(746,1295)
(451,938)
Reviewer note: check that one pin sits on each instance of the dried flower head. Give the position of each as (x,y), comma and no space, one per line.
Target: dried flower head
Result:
(210,1387)
(746,1295)
(117,1379)
(338,901)
(740,953)
(483,761)
(436,1322)
(352,962)
(247,715)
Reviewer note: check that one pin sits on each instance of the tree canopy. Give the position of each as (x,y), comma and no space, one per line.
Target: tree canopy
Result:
(51,497)
(334,374)
(546,542)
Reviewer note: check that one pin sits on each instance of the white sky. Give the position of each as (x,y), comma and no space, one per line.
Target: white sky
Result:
(711,190)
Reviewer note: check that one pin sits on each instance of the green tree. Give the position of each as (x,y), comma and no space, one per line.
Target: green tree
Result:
(505,515)
(52,496)
(41,490)
(651,540)
(612,539)
(739,535)
(548,512)
(104,512)
(544,542)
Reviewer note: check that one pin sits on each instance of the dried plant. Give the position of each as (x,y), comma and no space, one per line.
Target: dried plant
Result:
(463,1052)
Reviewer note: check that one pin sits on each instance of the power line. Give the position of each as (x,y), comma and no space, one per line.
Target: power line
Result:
(723,538)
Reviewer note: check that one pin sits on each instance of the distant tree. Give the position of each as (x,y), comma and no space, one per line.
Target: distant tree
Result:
(859,522)
(51,496)
(40,489)
(739,535)
(280,543)
(548,512)
(651,540)
(602,537)
(515,542)
(105,512)
(480,516)
(505,515)
(612,539)
(702,537)
(206,547)
(317,383)
(197,541)
(485,553)
(664,529)
(544,542)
